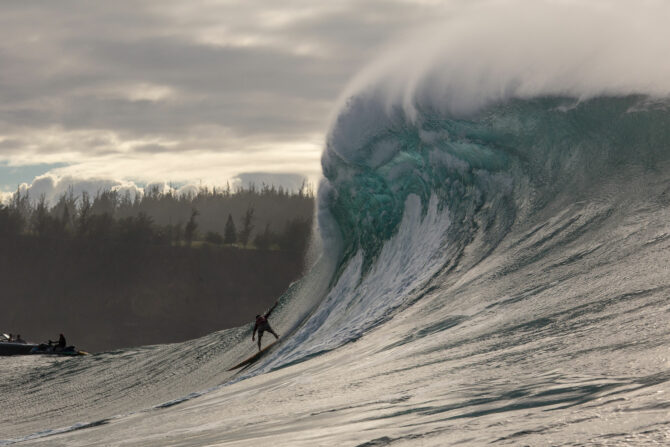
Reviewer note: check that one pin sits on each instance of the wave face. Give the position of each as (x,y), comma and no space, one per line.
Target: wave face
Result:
(494,270)
(486,172)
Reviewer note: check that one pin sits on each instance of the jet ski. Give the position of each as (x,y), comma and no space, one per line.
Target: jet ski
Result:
(51,349)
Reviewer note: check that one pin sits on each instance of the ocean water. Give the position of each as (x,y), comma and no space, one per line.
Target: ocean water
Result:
(493,270)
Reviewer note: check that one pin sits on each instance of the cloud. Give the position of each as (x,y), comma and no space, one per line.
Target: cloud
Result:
(52,187)
(114,89)
(8,144)
(5,197)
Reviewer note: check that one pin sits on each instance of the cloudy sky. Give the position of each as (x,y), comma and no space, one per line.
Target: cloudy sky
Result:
(135,92)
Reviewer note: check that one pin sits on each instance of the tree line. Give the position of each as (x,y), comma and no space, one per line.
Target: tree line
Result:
(263,218)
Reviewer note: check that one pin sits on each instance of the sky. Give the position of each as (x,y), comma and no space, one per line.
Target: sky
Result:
(129,93)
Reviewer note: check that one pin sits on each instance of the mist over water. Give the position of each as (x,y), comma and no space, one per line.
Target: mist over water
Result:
(495,211)
(489,52)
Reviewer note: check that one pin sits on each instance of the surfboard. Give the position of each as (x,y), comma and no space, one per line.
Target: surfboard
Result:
(254,357)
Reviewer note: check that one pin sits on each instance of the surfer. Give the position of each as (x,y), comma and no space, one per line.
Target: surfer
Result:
(262,325)
(61,343)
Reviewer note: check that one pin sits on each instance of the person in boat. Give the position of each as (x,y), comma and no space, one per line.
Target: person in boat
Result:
(61,343)
(263,325)
(18,339)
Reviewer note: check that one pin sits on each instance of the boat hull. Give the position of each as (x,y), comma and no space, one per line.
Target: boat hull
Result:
(10,348)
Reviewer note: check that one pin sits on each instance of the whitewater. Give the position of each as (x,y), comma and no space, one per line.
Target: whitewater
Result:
(492,269)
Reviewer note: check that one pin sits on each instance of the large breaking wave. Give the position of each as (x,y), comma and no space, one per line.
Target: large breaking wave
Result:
(432,193)
(498,119)
(459,133)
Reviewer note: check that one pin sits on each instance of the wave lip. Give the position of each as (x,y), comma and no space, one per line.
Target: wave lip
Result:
(492,52)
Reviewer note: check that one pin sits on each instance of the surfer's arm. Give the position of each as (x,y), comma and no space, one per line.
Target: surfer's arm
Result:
(253,334)
(271,309)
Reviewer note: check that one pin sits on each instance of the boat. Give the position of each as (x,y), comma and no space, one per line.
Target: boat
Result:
(12,348)
(8,347)
(50,349)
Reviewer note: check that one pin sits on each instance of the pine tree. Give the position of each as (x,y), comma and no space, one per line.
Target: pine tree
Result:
(264,240)
(247,226)
(230,233)
(191,226)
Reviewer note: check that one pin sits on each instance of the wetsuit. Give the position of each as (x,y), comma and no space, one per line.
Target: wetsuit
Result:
(263,325)
(61,342)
